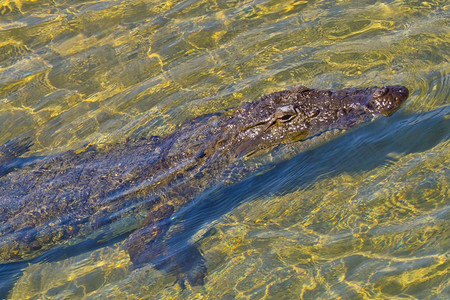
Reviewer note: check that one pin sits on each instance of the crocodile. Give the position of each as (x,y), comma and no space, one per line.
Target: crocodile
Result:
(135,186)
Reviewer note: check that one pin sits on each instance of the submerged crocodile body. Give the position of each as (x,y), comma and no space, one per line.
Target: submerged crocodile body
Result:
(139,184)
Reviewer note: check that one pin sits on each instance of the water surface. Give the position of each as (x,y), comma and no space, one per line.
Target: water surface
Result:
(362,216)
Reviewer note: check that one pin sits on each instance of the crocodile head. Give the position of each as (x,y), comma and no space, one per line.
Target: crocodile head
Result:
(300,113)
(386,100)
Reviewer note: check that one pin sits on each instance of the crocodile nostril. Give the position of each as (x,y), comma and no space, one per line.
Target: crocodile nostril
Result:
(403,92)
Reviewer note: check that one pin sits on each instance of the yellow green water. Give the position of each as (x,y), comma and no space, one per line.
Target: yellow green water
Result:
(77,72)
(91,71)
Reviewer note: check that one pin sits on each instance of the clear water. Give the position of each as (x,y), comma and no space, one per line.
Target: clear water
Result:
(363,216)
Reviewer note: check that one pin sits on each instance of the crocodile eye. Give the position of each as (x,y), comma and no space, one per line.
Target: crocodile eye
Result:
(286,118)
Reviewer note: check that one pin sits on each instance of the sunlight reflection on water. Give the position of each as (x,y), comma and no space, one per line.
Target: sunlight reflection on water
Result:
(372,225)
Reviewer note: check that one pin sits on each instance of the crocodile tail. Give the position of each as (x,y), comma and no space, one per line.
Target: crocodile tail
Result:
(12,150)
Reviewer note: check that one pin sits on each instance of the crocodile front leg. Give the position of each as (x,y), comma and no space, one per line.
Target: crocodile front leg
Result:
(150,244)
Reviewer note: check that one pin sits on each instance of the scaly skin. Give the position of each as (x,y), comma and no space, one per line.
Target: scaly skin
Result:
(147,180)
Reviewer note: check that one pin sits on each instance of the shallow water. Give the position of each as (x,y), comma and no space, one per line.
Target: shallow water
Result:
(361,216)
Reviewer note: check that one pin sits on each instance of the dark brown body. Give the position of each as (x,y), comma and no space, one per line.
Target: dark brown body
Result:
(141,183)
